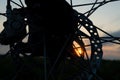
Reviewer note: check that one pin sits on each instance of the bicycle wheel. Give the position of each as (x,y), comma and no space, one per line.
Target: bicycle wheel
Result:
(85,49)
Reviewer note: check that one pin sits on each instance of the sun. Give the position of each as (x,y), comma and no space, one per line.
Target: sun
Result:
(77,49)
(78,52)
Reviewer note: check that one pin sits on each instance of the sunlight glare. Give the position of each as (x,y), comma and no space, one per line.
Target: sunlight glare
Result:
(78,52)
(77,48)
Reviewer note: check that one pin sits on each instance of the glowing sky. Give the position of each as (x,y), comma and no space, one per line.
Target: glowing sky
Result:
(106,17)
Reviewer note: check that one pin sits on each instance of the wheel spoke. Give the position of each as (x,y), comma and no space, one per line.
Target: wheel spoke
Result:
(88,65)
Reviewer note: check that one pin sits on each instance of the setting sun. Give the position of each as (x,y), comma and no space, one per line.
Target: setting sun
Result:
(77,49)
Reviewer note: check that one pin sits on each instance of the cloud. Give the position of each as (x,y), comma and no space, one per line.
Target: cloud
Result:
(111,51)
(116,34)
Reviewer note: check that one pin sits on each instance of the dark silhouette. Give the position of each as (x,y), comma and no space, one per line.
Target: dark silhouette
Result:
(14,28)
(51,22)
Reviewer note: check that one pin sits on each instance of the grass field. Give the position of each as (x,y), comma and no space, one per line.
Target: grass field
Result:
(33,69)
(110,70)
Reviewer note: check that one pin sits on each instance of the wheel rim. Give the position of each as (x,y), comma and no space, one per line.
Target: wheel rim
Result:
(95,42)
